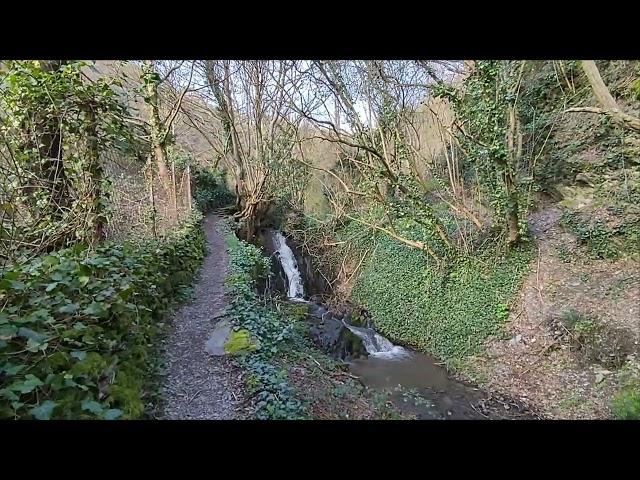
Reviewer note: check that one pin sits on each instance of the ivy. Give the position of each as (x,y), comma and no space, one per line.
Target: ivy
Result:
(481,108)
(602,241)
(77,325)
(211,190)
(448,312)
(274,398)
(55,126)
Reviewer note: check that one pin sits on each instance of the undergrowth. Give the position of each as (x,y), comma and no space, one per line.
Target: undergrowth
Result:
(592,341)
(211,190)
(77,326)
(274,397)
(602,241)
(626,402)
(448,311)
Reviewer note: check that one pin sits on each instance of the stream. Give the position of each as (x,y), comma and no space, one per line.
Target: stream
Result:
(417,384)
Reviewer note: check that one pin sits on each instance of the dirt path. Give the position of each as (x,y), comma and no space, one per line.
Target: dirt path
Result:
(199,386)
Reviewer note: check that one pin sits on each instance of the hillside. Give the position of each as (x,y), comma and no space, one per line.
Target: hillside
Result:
(326,239)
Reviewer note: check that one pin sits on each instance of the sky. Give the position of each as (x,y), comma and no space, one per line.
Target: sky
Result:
(307,90)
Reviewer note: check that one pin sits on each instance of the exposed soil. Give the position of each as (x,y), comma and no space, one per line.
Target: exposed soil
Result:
(332,394)
(543,362)
(199,386)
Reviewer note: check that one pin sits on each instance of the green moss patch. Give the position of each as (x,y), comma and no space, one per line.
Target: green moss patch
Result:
(241,342)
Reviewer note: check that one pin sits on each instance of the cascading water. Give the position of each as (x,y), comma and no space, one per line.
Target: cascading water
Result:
(290,267)
(387,366)
(376,345)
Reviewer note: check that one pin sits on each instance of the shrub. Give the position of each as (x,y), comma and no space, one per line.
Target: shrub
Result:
(211,190)
(274,397)
(77,326)
(626,404)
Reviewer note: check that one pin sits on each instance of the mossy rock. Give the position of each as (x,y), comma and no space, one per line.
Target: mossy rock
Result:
(298,311)
(576,198)
(241,342)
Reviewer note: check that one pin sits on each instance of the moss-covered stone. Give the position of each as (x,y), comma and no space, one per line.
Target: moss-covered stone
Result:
(241,342)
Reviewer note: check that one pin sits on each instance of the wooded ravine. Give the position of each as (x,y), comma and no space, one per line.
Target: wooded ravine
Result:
(319,239)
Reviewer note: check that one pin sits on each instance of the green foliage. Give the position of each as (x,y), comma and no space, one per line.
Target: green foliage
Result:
(502,312)
(594,341)
(211,190)
(77,326)
(626,404)
(448,312)
(601,241)
(635,87)
(274,397)
(578,322)
(55,125)
(483,107)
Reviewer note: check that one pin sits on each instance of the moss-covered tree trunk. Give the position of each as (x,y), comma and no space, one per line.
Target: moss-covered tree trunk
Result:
(514,152)
(605,99)
(158,143)
(48,169)
(94,183)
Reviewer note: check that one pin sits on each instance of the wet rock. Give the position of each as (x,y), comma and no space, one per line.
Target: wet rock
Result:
(217,340)
(317,310)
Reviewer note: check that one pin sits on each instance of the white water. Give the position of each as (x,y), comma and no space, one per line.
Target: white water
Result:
(290,267)
(376,345)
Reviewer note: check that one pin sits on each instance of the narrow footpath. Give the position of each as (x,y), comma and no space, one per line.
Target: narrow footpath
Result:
(199,386)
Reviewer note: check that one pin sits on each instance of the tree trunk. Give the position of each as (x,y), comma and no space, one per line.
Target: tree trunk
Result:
(158,143)
(605,99)
(514,151)
(189,200)
(49,167)
(221,89)
(174,192)
(513,228)
(94,169)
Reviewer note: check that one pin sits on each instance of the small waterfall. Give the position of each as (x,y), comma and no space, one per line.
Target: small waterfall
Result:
(290,267)
(375,344)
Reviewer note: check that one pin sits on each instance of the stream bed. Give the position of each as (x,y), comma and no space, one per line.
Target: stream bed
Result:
(416,383)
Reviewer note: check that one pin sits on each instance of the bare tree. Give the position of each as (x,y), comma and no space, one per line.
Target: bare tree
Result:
(258,130)
(376,102)
(160,128)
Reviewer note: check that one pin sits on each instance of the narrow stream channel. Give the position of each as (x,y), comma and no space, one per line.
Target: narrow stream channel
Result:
(417,384)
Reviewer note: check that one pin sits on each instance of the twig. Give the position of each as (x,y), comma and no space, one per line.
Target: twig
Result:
(538,281)
(194,396)
(478,411)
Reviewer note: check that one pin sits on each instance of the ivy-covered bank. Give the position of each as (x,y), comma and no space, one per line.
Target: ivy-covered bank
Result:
(288,377)
(274,397)
(78,326)
(446,311)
